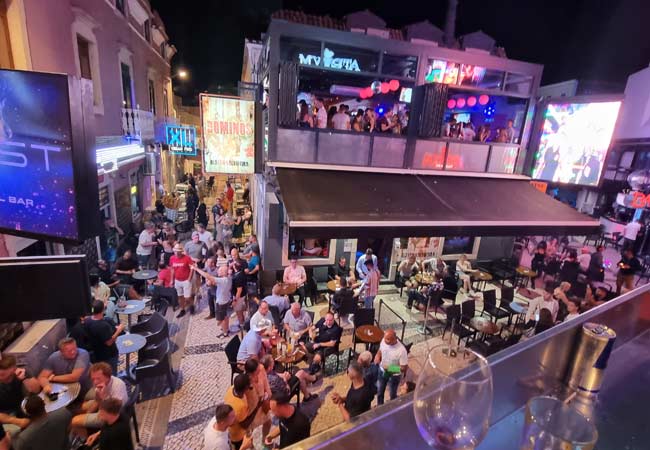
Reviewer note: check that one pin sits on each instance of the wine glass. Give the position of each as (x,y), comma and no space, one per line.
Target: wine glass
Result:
(453,398)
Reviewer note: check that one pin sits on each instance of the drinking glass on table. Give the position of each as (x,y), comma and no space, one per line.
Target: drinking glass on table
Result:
(554,425)
(453,398)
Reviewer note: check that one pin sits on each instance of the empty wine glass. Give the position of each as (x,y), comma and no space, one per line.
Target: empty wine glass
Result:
(453,398)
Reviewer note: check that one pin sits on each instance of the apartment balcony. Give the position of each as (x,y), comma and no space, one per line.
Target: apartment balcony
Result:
(138,124)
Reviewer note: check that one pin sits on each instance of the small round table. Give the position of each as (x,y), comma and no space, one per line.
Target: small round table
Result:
(369,334)
(127,344)
(333,285)
(287,288)
(480,277)
(288,361)
(132,307)
(485,326)
(145,275)
(524,275)
(68,392)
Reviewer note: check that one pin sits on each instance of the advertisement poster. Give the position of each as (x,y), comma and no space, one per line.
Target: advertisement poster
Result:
(421,248)
(36,166)
(228,134)
(574,142)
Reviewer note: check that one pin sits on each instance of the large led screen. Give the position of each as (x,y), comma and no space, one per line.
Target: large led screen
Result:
(228,134)
(574,142)
(37,189)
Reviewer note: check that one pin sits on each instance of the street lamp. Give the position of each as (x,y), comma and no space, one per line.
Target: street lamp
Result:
(182,74)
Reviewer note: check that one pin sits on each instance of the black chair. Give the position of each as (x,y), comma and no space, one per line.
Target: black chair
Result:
(277,319)
(161,307)
(332,351)
(294,389)
(348,306)
(129,410)
(612,239)
(490,305)
(454,325)
(152,325)
(231,350)
(468,311)
(312,314)
(155,362)
(267,281)
(279,275)
(157,338)
(435,301)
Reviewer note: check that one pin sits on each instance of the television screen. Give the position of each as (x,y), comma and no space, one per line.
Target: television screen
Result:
(458,245)
(574,142)
(41,288)
(41,170)
(405,95)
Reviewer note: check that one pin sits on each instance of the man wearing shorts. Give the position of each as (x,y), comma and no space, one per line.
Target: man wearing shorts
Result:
(181,266)
(105,385)
(222,297)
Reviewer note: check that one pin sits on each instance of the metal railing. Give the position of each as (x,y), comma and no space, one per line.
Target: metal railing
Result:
(383,304)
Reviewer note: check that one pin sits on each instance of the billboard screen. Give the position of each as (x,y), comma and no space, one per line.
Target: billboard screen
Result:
(228,134)
(37,188)
(574,142)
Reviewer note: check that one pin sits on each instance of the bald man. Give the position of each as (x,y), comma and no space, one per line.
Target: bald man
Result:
(392,360)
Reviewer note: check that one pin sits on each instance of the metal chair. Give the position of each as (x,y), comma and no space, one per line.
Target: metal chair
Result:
(468,311)
(490,305)
(455,326)
(155,362)
(129,410)
(231,350)
(152,325)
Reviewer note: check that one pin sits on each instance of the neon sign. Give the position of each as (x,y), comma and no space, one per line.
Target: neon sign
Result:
(181,140)
(328,60)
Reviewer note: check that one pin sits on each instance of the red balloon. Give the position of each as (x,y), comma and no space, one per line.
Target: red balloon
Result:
(451,104)
(385,88)
(369,92)
(483,99)
(460,102)
(393,85)
(362,93)
(471,101)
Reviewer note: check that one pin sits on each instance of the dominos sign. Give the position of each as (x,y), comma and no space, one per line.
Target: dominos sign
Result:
(181,140)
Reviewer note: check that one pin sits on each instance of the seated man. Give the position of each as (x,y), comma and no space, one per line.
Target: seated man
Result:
(105,385)
(263,314)
(116,432)
(125,267)
(105,274)
(98,289)
(295,274)
(67,365)
(163,287)
(275,299)
(15,383)
(323,345)
(359,396)
(102,334)
(406,270)
(343,295)
(297,322)
(434,264)
(340,270)
(45,431)
(420,297)
(251,346)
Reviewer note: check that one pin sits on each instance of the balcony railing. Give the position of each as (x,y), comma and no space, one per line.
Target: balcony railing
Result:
(348,148)
(138,124)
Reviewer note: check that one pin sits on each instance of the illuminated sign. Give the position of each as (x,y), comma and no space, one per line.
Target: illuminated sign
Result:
(228,134)
(574,142)
(328,60)
(181,140)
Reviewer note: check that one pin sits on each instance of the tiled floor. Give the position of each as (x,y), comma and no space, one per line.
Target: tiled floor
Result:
(175,422)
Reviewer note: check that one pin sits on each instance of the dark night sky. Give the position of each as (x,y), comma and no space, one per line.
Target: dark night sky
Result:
(585,39)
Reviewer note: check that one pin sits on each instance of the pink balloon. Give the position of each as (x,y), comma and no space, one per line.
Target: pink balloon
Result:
(483,99)
(471,101)
(393,85)
(460,102)
(385,88)
(451,104)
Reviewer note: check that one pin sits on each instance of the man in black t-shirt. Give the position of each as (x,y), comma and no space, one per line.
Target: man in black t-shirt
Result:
(294,425)
(359,396)
(340,270)
(125,267)
(102,334)
(14,384)
(627,267)
(116,434)
(239,289)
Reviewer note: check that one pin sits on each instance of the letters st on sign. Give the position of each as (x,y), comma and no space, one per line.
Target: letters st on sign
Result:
(181,140)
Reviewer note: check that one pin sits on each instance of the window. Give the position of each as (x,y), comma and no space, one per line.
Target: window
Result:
(300,50)
(162,49)
(152,96)
(147,30)
(165,103)
(119,4)
(521,84)
(350,59)
(399,66)
(127,92)
(83,50)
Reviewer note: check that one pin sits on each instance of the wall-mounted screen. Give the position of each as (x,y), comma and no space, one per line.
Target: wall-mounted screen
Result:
(228,134)
(458,245)
(46,180)
(574,142)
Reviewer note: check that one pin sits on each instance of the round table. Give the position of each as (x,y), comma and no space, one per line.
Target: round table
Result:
(518,307)
(333,285)
(145,275)
(485,325)
(426,278)
(68,392)
(525,274)
(287,288)
(480,277)
(291,359)
(369,334)
(132,307)
(127,344)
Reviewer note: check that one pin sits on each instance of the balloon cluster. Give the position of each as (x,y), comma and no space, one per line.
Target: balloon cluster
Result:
(379,87)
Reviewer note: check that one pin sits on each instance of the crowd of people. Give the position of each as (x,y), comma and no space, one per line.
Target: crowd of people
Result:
(97,419)
(362,120)
(466,131)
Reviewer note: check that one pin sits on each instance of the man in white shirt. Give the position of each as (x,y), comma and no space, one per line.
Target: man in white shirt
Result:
(215,435)
(204,235)
(146,243)
(362,270)
(584,259)
(321,114)
(631,232)
(340,120)
(392,360)
(262,315)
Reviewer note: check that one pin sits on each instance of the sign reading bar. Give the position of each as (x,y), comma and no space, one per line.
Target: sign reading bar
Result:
(181,140)
(328,60)
(228,134)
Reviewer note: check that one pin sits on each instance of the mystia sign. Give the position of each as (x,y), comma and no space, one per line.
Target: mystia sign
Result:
(329,61)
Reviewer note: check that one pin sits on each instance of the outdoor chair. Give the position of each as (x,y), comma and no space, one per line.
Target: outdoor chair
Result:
(490,305)
(155,362)
(231,350)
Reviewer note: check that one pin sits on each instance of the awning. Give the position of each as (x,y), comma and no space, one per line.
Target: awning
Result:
(343,204)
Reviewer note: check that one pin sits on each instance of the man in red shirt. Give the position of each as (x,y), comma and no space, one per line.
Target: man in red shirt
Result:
(181,268)
(230,193)
(164,286)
